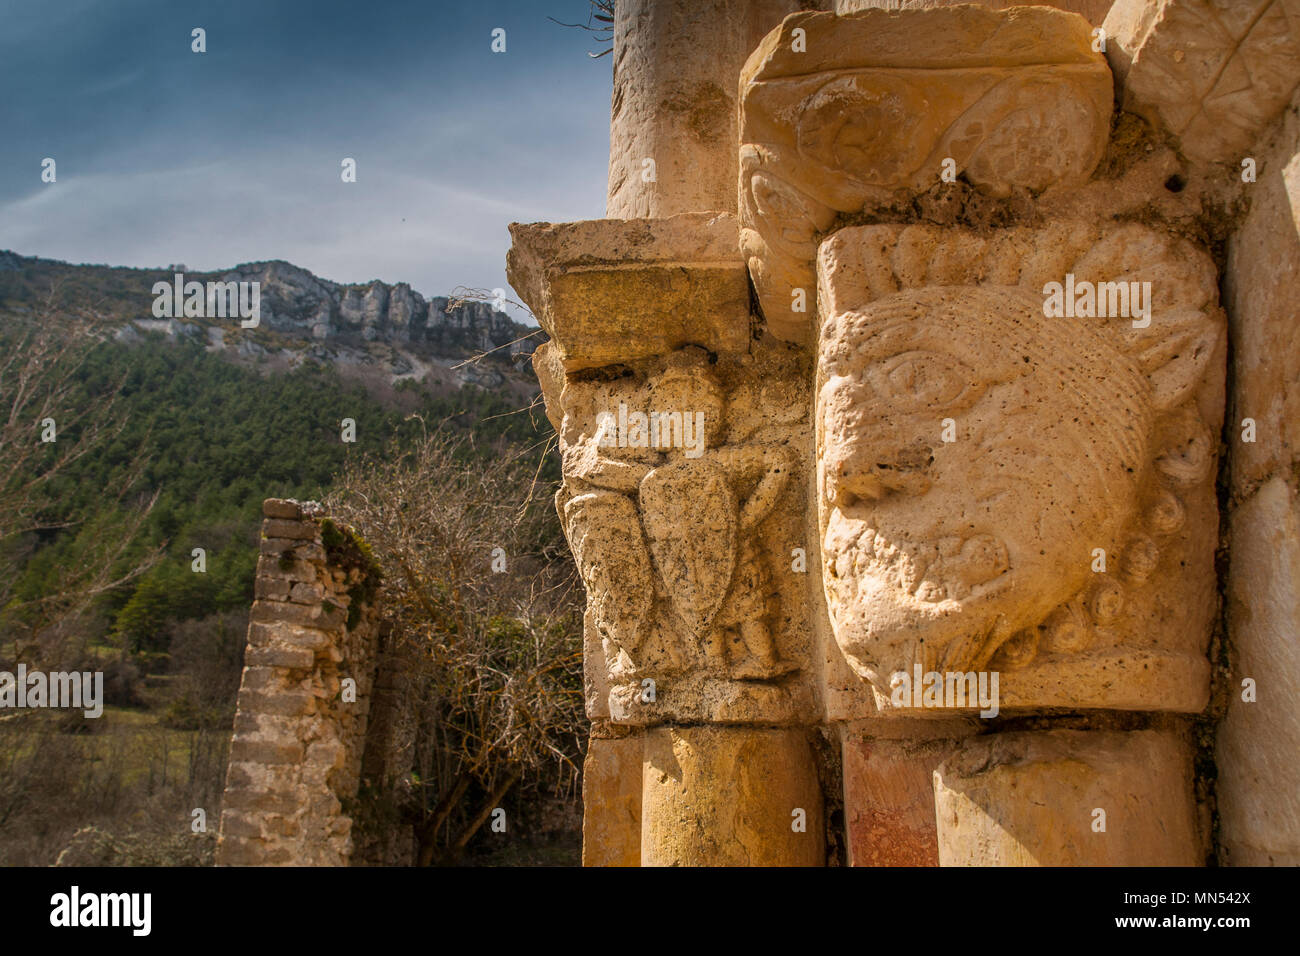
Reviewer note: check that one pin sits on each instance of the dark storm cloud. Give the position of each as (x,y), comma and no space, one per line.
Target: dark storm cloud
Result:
(167,156)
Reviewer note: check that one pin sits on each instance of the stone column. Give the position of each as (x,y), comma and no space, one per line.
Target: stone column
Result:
(1259,775)
(730,796)
(672,140)
(684,502)
(875,148)
(611,801)
(1221,81)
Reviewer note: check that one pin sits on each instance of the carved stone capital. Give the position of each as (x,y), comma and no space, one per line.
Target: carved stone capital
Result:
(1004,487)
(843,113)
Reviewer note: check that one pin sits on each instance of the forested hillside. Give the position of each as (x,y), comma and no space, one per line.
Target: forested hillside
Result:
(214,439)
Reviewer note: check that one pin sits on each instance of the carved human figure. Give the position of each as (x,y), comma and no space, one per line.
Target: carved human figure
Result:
(700,503)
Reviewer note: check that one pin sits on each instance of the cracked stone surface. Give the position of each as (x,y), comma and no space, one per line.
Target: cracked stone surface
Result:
(1216,73)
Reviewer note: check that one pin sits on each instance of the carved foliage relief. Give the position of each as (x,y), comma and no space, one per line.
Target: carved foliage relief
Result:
(842,113)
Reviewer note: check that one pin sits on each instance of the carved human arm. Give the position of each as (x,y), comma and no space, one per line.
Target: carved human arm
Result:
(773,464)
(585,462)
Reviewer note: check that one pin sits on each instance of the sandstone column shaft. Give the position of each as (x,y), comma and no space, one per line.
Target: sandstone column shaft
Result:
(730,796)
(676,64)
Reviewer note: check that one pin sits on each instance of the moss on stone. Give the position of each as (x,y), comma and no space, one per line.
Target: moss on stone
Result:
(348,551)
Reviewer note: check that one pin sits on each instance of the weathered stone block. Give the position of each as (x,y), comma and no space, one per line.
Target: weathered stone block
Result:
(307,593)
(1215,73)
(273,801)
(246,776)
(283,702)
(293,530)
(609,291)
(286,550)
(297,658)
(611,802)
(273,565)
(306,637)
(260,751)
(281,508)
(267,633)
(278,824)
(322,617)
(271,589)
(1042,798)
(246,723)
(326,753)
(850,111)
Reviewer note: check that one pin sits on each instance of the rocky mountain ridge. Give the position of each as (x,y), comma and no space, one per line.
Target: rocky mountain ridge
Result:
(386,328)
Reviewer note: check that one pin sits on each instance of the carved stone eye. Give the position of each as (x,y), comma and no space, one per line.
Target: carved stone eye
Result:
(925,380)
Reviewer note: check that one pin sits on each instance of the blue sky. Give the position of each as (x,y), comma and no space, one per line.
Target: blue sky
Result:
(165,155)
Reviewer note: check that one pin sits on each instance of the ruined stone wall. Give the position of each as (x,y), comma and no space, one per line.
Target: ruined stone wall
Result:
(915,457)
(300,725)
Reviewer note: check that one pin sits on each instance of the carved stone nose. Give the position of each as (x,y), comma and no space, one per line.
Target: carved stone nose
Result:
(854,483)
(874,477)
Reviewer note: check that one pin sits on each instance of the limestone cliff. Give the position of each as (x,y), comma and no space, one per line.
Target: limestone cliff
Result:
(389,330)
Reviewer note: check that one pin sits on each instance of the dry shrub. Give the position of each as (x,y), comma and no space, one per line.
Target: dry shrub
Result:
(483,662)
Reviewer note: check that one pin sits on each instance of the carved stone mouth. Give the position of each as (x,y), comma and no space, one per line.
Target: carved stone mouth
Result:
(952,568)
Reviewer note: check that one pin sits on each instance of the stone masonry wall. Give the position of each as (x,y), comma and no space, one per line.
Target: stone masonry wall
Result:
(295,759)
